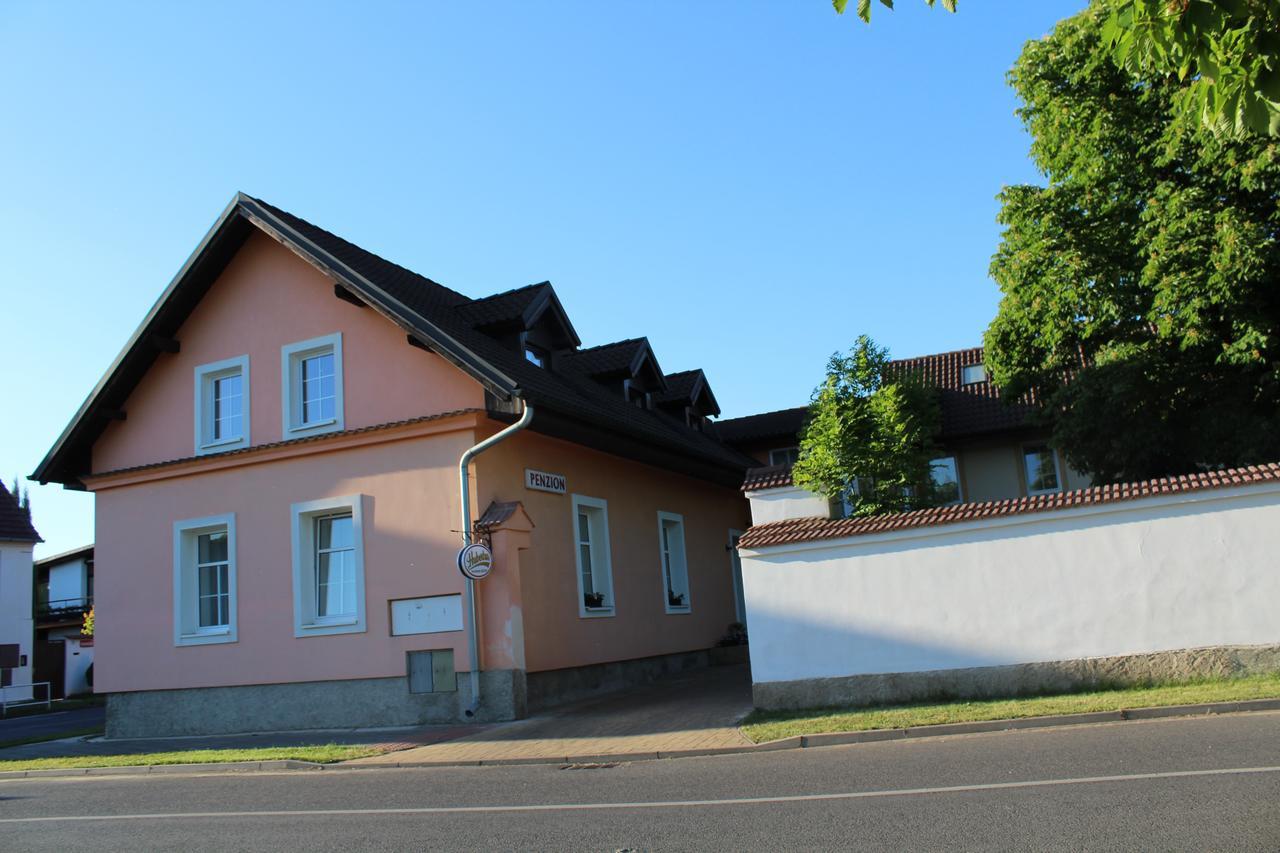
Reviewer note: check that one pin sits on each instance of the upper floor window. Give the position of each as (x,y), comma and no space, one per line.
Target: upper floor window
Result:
(204,575)
(222,405)
(973,373)
(675,567)
(593,557)
(1041,465)
(784,456)
(311,382)
(535,356)
(946,479)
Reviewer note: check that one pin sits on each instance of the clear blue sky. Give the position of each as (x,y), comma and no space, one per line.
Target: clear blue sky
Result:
(749,184)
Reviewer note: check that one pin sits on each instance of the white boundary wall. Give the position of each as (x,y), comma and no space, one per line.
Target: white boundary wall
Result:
(1192,570)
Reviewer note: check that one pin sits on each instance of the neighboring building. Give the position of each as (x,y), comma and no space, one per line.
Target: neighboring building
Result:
(991,450)
(64,594)
(275,462)
(17,538)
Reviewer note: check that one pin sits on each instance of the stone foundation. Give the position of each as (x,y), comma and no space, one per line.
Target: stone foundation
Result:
(989,682)
(354,703)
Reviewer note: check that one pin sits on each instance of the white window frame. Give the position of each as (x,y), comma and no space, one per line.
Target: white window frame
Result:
(964,373)
(302,534)
(291,357)
(955,466)
(205,376)
(599,549)
(783,450)
(1026,475)
(186,582)
(687,607)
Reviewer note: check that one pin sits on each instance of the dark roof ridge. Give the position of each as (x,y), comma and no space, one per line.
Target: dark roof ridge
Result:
(643,338)
(359,248)
(510,292)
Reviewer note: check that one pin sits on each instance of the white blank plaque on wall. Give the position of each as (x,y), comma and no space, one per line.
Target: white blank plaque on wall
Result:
(426,615)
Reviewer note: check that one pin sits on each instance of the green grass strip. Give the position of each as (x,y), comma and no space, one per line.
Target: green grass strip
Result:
(327,754)
(761,726)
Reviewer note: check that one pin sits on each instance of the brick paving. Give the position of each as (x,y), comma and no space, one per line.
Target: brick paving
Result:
(688,712)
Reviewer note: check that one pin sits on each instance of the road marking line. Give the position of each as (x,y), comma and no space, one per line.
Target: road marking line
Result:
(667,804)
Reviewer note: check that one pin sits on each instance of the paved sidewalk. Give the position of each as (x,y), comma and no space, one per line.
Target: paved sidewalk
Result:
(689,712)
(52,724)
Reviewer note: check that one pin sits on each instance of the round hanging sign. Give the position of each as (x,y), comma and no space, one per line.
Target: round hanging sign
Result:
(475,561)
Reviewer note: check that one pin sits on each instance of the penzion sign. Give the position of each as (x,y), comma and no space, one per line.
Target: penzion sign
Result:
(543,481)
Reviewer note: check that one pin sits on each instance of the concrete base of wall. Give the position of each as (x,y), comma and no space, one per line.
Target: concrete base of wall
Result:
(355,703)
(553,687)
(1017,679)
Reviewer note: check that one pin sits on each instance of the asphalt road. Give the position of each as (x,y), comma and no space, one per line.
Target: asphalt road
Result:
(1209,783)
(56,723)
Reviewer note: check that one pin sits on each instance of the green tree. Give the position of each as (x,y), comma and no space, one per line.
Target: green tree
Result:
(1144,272)
(1226,52)
(869,434)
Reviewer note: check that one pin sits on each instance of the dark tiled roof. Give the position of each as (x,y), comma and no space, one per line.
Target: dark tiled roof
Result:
(679,386)
(15,526)
(784,422)
(768,477)
(607,359)
(810,529)
(435,315)
(501,307)
(970,409)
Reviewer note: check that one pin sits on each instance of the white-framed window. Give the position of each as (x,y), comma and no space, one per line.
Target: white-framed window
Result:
(311,386)
(592,556)
(675,566)
(204,581)
(946,479)
(784,456)
(222,405)
(971,374)
(328,566)
(1040,464)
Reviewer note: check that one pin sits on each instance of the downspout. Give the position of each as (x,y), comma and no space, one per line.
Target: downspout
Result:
(464,483)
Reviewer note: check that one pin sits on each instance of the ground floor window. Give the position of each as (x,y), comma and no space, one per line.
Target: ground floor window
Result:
(592,556)
(946,479)
(1041,467)
(328,566)
(675,567)
(204,579)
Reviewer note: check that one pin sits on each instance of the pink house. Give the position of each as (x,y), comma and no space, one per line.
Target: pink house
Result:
(275,458)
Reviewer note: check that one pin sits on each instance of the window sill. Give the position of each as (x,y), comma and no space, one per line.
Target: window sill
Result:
(222,446)
(595,612)
(206,637)
(679,611)
(314,425)
(332,623)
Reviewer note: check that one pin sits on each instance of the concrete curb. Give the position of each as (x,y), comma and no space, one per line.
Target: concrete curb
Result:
(794,742)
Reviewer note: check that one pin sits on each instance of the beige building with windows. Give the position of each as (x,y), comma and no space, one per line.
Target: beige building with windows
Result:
(991,450)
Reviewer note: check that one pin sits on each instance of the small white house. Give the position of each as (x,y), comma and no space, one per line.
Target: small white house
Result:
(64,594)
(1169,578)
(17,539)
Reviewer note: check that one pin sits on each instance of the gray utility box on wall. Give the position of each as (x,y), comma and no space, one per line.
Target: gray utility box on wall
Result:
(432,671)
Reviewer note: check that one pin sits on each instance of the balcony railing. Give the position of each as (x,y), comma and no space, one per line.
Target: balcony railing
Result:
(64,608)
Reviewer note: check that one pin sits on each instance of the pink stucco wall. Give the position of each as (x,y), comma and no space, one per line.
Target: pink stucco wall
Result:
(555,636)
(268,297)
(410,507)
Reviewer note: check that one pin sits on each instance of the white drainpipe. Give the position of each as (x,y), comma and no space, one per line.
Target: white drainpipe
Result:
(473,633)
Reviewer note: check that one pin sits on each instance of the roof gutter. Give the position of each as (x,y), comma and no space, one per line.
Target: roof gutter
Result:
(464,484)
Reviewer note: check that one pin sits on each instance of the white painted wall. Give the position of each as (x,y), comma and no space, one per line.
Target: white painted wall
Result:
(79,657)
(1186,571)
(16,625)
(788,502)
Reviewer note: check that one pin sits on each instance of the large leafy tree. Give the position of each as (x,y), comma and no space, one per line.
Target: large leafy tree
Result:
(869,434)
(1227,52)
(1140,301)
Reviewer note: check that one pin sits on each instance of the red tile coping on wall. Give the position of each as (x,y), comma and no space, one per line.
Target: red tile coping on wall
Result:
(810,529)
(771,477)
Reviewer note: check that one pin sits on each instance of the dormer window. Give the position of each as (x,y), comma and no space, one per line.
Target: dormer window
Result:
(972,374)
(535,356)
